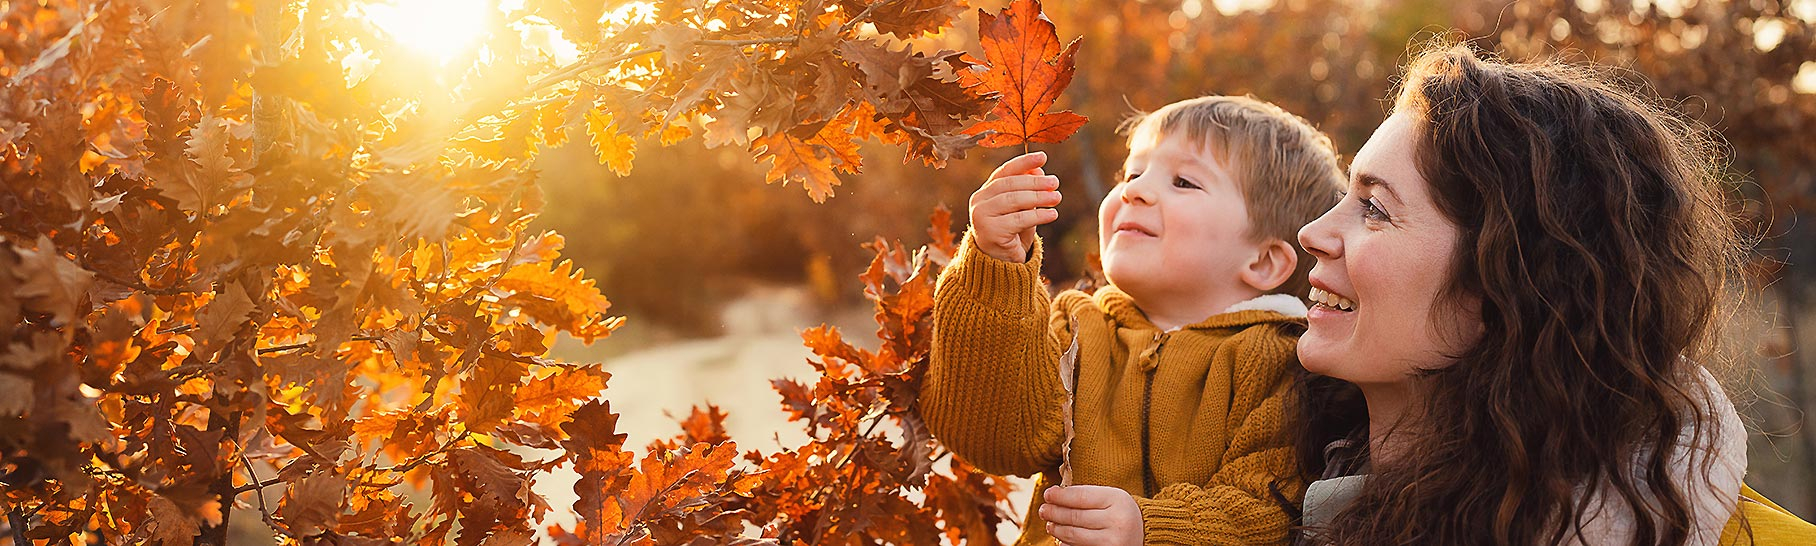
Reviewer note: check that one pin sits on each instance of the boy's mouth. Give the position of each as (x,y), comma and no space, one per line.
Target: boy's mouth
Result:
(1325,298)
(1131,227)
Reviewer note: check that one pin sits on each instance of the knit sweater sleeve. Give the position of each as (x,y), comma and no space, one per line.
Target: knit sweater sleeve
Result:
(1241,503)
(991,393)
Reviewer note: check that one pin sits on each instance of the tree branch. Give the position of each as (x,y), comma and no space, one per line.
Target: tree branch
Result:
(142,287)
(263,510)
(237,491)
(295,346)
(742,43)
(16,520)
(579,67)
(413,463)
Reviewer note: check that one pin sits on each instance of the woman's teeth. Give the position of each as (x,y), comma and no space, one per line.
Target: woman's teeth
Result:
(1327,299)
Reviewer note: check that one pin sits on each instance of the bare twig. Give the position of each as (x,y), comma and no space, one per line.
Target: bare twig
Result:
(263,510)
(742,43)
(254,485)
(178,329)
(295,346)
(142,287)
(413,463)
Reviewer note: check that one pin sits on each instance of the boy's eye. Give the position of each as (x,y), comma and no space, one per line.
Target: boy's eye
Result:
(1181,182)
(1130,177)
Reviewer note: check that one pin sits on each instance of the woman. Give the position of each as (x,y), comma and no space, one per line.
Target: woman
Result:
(1517,294)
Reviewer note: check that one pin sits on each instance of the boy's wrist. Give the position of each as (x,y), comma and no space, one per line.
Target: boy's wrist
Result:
(1165,521)
(981,279)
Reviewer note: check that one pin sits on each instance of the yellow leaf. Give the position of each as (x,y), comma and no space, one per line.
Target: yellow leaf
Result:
(674,134)
(615,149)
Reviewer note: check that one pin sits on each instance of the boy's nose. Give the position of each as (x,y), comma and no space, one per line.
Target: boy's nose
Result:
(1137,191)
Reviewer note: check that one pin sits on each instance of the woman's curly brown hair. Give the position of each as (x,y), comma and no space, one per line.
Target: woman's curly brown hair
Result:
(1595,234)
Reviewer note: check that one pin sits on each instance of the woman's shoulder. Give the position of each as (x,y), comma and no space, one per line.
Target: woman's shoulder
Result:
(1707,461)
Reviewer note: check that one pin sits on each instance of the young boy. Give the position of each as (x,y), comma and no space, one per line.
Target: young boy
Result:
(1185,362)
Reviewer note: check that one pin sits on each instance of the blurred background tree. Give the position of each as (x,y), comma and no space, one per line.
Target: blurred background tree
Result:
(690,217)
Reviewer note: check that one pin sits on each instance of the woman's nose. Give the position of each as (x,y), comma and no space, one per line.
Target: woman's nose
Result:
(1319,238)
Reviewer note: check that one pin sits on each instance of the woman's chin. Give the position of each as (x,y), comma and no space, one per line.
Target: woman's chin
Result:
(1318,354)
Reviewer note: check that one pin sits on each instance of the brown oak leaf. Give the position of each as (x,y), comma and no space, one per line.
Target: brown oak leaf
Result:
(907,19)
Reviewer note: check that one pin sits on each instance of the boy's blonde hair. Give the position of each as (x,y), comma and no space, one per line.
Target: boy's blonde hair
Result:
(1286,168)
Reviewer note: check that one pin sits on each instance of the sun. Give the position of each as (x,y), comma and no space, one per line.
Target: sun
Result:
(438,29)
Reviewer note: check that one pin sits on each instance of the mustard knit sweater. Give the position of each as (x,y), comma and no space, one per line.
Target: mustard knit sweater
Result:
(1211,396)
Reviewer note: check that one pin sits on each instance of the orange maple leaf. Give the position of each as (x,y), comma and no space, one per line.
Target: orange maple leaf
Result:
(1028,68)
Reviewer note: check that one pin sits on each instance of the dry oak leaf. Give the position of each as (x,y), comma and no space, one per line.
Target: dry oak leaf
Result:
(314,503)
(563,298)
(907,19)
(799,160)
(594,444)
(615,149)
(1028,68)
(50,282)
(487,393)
(168,524)
(549,401)
(668,484)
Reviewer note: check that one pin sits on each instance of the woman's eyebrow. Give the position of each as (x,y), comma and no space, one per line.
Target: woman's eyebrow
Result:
(1369,181)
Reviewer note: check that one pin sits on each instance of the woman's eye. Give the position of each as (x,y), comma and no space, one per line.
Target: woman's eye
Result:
(1181,182)
(1373,211)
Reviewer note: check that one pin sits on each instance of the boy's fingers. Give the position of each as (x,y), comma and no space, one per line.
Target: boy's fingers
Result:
(1017,222)
(1009,184)
(1016,201)
(1083,497)
(1060,515)
(1020,164)
(1066,534)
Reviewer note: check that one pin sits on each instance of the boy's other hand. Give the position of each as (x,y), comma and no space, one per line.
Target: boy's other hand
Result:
(1005,210)
(1092,514)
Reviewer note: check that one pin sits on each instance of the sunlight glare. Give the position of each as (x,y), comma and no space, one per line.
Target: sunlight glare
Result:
(441,29)
(1805,81)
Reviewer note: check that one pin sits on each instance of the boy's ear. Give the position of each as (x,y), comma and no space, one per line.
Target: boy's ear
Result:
(1273,264)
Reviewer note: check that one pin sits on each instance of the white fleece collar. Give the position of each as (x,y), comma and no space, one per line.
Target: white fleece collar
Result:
(1284,304)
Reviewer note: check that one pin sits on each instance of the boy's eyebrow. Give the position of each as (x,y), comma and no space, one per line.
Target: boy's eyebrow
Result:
(1369,181)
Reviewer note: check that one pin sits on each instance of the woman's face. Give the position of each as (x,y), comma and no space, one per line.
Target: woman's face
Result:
(1384,254)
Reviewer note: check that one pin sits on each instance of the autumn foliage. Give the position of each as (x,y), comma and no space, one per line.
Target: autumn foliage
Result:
(246,247)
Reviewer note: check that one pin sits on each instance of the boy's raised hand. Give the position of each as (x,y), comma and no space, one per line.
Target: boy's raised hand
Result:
(1018,196)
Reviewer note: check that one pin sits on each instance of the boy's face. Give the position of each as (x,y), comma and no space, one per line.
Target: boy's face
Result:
(1175,226)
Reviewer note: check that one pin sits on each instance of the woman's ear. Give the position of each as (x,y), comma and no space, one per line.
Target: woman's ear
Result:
(1273,264)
